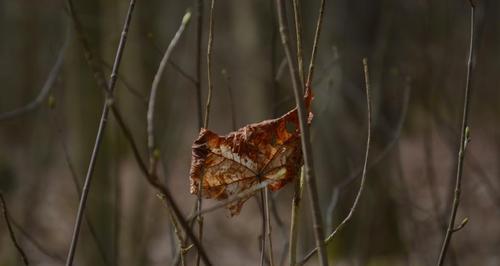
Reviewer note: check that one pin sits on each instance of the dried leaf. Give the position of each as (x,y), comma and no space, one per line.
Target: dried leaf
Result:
(228,165)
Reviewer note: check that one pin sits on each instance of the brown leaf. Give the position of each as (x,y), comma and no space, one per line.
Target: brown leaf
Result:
(228,165)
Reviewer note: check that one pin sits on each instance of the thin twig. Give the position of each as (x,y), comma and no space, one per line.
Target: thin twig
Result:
(297,199)
(5,212)
(305,138)
(207,115)
(464,140)
(263,228)
(298,33)
(199,36)
(299,183)
(317,34)
(47,86)
(154,89)
(100,131)
(209,64)
(268,226)
(365,164)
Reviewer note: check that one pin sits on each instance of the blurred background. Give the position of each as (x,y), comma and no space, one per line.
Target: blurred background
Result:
(417,52)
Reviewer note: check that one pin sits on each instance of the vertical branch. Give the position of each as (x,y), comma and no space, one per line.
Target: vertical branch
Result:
(209,64)
(100,132)
(262,208)
(305,138)
(268,227)
(464,140)
(5,212)
(199,36)
(207,115)
(319,23)
(298,32)
(365,166)
(297,198)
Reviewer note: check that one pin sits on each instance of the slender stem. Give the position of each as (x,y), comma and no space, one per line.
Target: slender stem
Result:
(199,36)
(464,139)
(5,212)
(365,166)
(263,230)
(100,131)
(297,198)
(209,64)
(207,115)
(268,227)
(298,32)
(154,89)
(305,138)
(319,23)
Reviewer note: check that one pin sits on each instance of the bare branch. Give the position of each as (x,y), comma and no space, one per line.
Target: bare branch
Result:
(199,201)
(297,199)
(464,138)
(209,64)
(319,23)
(268,227)
(199,36)
(297,12)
